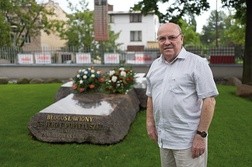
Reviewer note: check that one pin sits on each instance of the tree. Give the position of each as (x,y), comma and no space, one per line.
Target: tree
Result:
(22,19)
(79,32)
(234,32)
(212,32)
(180,8)
(189,33)
(229,30)
(5,35)
(242,7)
(177,9)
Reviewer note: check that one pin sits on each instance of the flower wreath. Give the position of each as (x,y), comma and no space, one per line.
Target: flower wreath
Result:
(119,80)
(87,80)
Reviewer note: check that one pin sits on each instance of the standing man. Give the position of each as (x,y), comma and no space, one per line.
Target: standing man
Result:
(181,100)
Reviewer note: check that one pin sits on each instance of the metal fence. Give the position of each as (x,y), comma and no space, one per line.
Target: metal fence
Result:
(220,55)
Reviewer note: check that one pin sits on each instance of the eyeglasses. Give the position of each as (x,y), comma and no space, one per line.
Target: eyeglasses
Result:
(162,39)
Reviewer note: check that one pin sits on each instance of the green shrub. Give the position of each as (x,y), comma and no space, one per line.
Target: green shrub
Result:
(4,80)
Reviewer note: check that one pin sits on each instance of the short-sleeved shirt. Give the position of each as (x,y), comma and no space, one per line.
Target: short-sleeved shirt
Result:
(177,90)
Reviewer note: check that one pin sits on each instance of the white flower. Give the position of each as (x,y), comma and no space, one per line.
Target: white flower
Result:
(79,70)
(114,78)
(85,72)
(123,73)
(112,72)
(92,71)
(78,75)
(121,69)
(98,72)
(84,77)
(92,76)
(81,81)
(118,85)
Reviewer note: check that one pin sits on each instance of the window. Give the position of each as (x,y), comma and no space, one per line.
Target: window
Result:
(100,2)
(135,36)
(135,18)
(66,58)
(111,18)
(27,38)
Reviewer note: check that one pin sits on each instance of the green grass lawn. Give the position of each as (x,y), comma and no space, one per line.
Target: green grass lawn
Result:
(229,135)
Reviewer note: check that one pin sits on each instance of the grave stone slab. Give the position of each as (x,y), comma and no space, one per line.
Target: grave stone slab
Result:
(86,118)
(140,89)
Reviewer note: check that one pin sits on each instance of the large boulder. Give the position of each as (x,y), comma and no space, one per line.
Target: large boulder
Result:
(93,118)
(244,90)
(36,81)
(141,94)
(139,87)
(64,91)
(234,81)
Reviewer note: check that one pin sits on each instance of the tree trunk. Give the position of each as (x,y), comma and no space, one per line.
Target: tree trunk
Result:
(247,61)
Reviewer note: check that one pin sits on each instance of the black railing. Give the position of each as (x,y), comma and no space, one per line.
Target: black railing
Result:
(220,55)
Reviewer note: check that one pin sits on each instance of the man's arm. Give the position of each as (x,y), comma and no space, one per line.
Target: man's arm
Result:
(207,112)
(150,123)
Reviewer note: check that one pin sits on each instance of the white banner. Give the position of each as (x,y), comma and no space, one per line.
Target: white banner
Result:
(43,58)
(111,58)
(140,58)
(25,58)
(83,58)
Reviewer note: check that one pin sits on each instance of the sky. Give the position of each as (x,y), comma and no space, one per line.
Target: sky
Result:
(124,5)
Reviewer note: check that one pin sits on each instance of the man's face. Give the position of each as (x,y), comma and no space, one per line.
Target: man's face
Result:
(170,41)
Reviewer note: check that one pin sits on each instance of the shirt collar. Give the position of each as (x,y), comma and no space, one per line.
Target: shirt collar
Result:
(181,55)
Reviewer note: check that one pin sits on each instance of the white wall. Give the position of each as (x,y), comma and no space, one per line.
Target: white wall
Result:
(122,24)
(66,71)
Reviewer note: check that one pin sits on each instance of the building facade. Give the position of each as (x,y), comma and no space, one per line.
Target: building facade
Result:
(44,41)
(137,31)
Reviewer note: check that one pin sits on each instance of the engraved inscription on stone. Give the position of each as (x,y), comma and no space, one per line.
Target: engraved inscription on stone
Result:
(93,118)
